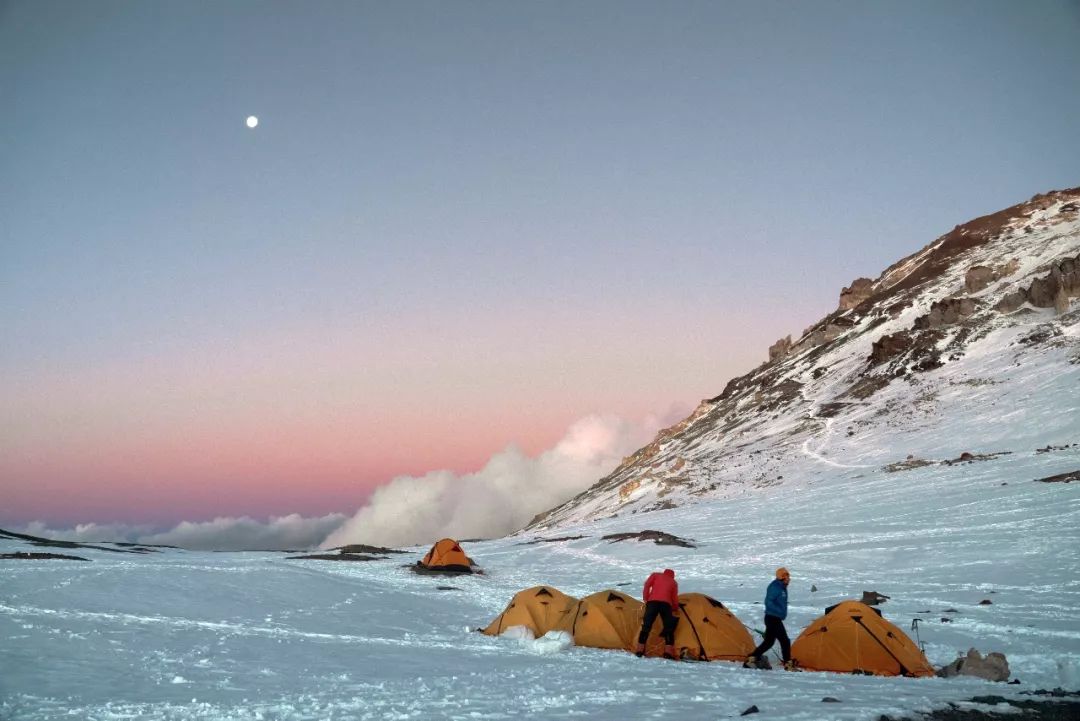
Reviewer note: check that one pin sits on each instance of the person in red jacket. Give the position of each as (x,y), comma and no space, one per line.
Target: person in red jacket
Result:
(661,594)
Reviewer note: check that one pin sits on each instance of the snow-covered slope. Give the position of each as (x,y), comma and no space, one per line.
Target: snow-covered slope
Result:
(804,463)
(970,345)
(185,635)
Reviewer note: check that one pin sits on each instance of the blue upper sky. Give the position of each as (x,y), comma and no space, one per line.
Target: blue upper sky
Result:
(701,176)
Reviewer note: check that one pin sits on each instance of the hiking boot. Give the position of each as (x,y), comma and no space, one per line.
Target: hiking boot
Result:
(791,665)
(669,652)
(640,650)
(750,662)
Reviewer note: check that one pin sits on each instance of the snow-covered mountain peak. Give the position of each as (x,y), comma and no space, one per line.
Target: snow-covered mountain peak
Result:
(972,344)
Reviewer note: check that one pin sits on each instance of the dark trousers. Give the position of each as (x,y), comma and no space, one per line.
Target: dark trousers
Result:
(774,631)
(663,610)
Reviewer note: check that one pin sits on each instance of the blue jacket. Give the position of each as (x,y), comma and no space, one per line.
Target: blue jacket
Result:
(776,600)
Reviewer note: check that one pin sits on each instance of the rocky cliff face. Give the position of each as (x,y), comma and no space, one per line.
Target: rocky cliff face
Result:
(991,302)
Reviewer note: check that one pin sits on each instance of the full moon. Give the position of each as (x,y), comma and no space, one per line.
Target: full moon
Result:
(252,121)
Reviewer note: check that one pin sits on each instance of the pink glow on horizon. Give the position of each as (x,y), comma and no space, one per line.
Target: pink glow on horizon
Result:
(312,423)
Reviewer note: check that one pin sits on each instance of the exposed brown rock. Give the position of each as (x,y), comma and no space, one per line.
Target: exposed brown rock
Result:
(1011,302)
(779,349)
(946,312)
(38,556)
(1061,301)
(658,537)
(857,292)
(1060,478)
(363,548)
(560,539)
(978,277)
(889,346)
(992,667)
(873,598)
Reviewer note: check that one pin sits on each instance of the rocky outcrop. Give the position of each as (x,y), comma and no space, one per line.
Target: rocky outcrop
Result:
(779,349)
(890,346)
(992,667)
(857,292)
(1050,291)
(978,277)
(922,312)
(946,312)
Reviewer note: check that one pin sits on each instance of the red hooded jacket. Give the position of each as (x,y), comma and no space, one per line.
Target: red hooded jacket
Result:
(662,587)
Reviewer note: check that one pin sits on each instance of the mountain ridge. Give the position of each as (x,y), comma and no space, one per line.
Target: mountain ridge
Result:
(1004,278)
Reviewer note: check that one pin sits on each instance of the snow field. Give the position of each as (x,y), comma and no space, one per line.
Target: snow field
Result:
(185,635)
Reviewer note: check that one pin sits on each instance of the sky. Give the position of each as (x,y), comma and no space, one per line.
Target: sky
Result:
(461,232)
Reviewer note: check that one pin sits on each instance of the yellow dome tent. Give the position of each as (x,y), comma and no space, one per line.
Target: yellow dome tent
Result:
(538,608)
(853,638)
(707,631)
(608,619)
(446,555)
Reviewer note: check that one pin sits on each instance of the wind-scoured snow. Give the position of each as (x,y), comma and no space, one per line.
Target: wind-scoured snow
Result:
(191,635)
(852,493)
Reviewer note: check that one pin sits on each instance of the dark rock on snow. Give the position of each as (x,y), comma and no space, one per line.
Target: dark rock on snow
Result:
(1060,478)
(33,556)
(658,537)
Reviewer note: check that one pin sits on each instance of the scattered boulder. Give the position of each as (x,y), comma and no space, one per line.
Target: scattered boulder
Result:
(830,699)
(752,709)
(779,349)
(658,537)
(889,346)
(1060,478)
(1011,302)
(362,548)
(1051,291)
(873,598)
(978,277)
(813,588)
(856,293)
(947,312)
(37,556)
(336,557)
(560,539)
(986,602)
(992,667)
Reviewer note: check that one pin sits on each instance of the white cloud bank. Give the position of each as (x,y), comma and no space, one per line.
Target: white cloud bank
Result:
(221,534)
(498,499)
(502,496)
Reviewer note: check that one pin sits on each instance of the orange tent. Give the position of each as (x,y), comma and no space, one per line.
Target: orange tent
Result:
(539,608)
(707,631)
(853,638)
(608,619)
(446,555)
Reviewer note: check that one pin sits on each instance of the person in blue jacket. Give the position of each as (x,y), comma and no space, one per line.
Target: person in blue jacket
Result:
(775,613)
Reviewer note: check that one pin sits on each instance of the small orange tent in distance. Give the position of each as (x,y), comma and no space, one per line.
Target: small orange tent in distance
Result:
(446,555)
(707,631)
(608,619)
(853,638)
(538,608)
